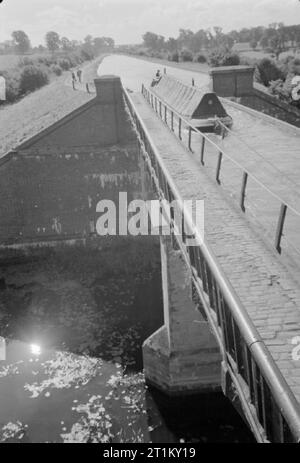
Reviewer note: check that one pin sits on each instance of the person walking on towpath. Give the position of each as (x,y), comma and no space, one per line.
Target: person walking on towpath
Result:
(79,74)
(73,79)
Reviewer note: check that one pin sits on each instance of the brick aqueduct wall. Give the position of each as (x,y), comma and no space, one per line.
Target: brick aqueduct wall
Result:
(50,185)
(237,82)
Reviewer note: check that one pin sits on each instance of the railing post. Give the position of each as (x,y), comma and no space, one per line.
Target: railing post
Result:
(143,89)
(183,236)
(155,104)
(243,191)
(202,151)
(190,138)
(151,99)
(179,128)
(280,224)
(172,121)
(165,113)
(219,167)
(160,106)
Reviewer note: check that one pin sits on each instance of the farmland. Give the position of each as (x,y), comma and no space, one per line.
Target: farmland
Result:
(260,54)
(8,61)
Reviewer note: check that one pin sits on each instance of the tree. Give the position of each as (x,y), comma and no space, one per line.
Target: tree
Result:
(88,45)
(52,41)
(75,44)
(109,43)
(253,44)
(153,41)
(277,44)
(200,40)
(268,71)
(66,44)
(222,56)
(32,77)
(185,39)
(171,44)
(99,44)
(21,41)
(264,41)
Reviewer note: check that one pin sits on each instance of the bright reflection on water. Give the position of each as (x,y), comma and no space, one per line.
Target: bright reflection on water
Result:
(59,396)
(35,349)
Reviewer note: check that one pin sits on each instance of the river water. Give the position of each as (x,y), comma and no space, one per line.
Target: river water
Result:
(73,323)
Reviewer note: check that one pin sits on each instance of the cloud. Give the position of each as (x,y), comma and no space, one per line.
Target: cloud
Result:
(128,20)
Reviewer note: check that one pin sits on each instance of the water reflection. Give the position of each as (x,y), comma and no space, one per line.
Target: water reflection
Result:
(74,323)
(35,349)
(62,397)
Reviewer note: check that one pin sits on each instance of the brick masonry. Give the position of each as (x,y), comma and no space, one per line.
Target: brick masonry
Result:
(268,104)
(183,355)
(236,82)
(50,184)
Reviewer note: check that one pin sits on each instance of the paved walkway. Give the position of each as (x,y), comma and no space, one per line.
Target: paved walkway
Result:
(268,291)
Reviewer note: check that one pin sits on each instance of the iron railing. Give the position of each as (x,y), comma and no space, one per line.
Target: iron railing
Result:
(268,403)
(169,115)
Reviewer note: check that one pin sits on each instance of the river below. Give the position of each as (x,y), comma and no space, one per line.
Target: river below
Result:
(73,322)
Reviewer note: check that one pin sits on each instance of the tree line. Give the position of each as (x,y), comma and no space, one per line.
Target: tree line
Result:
(275,38)
(21,44)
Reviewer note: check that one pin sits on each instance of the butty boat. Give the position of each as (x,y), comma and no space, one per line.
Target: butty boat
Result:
(199,106)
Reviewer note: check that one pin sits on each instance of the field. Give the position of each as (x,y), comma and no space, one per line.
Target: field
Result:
(8,61)
(259,54)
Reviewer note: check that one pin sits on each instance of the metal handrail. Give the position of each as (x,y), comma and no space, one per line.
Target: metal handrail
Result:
(284,205)
(224,304)
(250,148)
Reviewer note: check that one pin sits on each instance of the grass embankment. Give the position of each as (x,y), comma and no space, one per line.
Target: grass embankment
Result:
(43,107)
(26,74)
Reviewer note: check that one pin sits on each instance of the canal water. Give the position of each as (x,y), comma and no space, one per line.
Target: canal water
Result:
(74,320)
(134,72)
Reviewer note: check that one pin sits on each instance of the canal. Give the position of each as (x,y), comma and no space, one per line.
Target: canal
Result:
(134,72)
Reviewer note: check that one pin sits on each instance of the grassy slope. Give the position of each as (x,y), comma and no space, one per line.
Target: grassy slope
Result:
(42,108)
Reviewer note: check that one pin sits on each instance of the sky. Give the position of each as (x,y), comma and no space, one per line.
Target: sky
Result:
(127,20)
